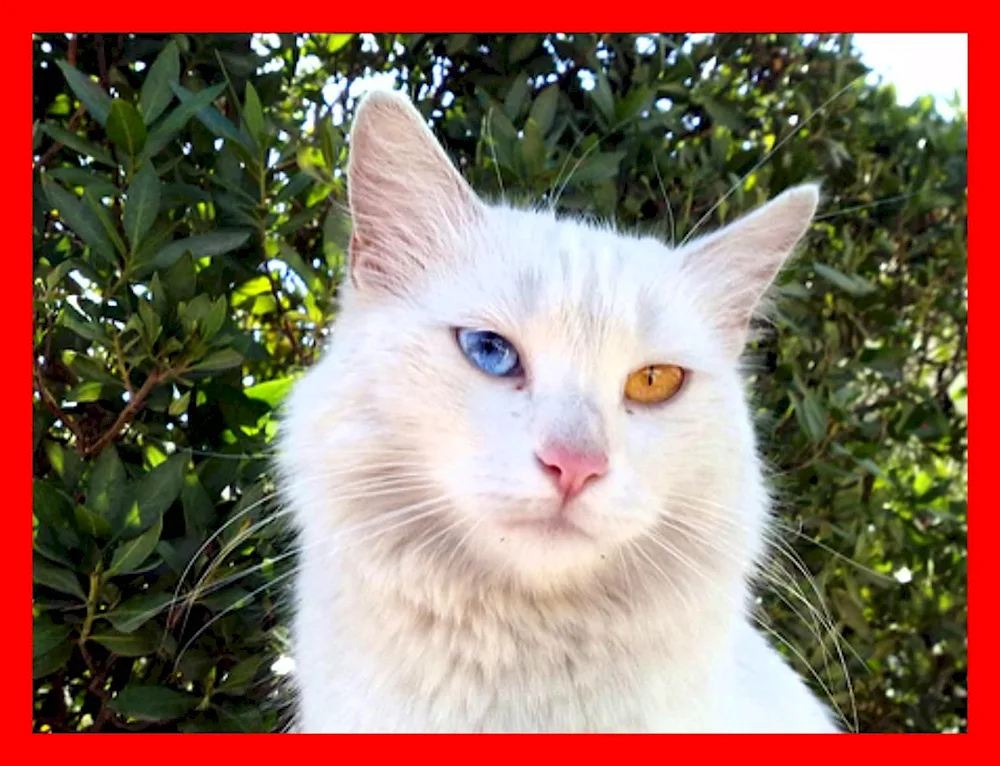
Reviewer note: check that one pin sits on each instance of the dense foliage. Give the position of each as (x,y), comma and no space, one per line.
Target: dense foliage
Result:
(188,243)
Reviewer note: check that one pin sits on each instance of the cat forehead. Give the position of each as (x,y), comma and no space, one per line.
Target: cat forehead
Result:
(551,262)
(570,280)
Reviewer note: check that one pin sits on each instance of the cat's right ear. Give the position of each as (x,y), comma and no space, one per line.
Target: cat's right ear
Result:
(734,266)
(408,202)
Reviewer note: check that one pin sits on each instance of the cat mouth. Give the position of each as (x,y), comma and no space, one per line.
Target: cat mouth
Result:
(549,526)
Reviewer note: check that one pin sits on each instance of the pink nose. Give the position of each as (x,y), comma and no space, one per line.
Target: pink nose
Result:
(571,469)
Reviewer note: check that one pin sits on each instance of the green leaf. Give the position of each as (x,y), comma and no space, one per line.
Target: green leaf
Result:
(272,392)
(533,148)
(336,42)
(311,161)
(130,555)
(88,391)
(259,285)
(180,405)
(457,43)
(152,703)
(195,311)
(87,179)
(46,543)
(137,644)
(253,114)
(58,274)
(329,141)
(136,611)
(630,107)
(216,317)
(516,95)
(141,206)
(51,661)
(156,491)
(241,677)
(244,719)
(725,115)
(126,128)
(603,98)
(212,118)
(291,256)
(92,523)
(91,95)
(89,370)
(180,278)
(298,184)
(174,122)
(499,128)
(219,361)
(57,578)
(543,110)
(66,462)
(92,200)
(522,47)
(47,635)
(852,285)
(199,512)
(54,511)
(87,330)
(81,220)
(177,554)
(227,600)
(106,487)
(200,246)
(78,144)
(850,612)
(812,417)
(597,168)
(156,90)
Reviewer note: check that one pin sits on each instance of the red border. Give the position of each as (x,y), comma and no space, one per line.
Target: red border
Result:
(15,639)
(986,525)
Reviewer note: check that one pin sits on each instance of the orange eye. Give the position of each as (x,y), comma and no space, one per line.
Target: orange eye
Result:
(654,384)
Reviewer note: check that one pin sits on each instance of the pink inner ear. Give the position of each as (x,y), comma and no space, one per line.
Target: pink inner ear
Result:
(407,199)
(361,263)
(735,266)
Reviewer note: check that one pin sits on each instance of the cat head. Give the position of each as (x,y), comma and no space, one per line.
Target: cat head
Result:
(547,397)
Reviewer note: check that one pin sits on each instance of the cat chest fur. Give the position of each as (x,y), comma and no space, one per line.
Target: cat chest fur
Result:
(378,664)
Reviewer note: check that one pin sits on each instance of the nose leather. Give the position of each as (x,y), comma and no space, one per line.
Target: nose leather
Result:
(572,469)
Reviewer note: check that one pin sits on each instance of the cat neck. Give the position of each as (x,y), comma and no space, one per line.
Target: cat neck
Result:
(629,607)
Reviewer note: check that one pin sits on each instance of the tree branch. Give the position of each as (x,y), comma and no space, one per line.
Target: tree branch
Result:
(128,414)
(50,401)
(102,64)
(54,149)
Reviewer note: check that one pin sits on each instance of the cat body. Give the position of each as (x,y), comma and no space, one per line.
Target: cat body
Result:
(394,668)
(520,547)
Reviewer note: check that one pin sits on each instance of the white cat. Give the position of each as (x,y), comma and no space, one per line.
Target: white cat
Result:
(524,475)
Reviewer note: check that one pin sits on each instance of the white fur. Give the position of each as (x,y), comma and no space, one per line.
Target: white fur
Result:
(418,608)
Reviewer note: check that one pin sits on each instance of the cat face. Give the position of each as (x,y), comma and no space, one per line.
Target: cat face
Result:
(546,394)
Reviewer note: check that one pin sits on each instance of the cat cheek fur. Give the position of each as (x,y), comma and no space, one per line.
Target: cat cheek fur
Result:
(417,608)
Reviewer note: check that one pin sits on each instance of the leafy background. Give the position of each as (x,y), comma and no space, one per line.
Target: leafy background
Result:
(189,241)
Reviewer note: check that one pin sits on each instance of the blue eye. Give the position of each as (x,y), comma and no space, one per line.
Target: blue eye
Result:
(491,353)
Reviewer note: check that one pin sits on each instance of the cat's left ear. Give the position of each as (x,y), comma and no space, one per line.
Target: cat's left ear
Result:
(409,205)
(733,267)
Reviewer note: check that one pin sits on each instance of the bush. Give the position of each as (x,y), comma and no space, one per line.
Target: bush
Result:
(188,244)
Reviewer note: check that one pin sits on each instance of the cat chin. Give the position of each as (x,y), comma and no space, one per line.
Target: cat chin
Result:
(543,564)
(545,552)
